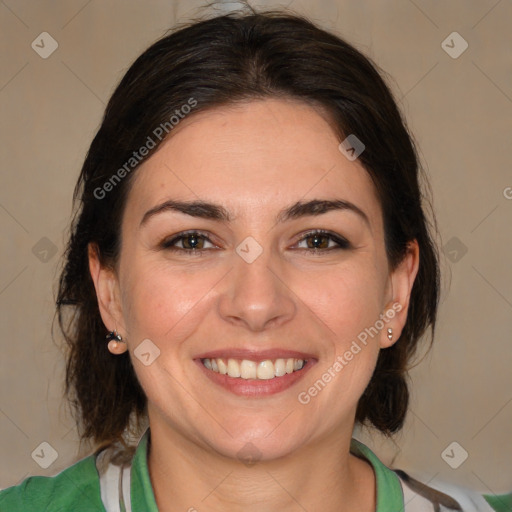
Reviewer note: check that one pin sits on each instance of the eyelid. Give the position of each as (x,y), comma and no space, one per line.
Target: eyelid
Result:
(168,241)
(342,242)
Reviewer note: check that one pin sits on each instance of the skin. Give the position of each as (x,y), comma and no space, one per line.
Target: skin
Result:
(253,159)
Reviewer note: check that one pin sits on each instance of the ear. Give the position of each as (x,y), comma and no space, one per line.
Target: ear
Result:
(401,282)
(107,292)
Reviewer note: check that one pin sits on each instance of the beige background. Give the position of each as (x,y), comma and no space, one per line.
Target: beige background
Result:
(461,113)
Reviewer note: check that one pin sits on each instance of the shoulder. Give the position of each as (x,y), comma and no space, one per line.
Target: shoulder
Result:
(419,497)
(76,488)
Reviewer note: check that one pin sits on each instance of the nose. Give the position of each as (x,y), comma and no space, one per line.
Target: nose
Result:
(256,295)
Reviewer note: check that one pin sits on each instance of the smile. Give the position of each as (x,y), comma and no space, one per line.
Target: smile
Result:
(255,373)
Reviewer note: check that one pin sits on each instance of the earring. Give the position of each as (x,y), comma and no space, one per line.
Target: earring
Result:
(390,333)
(113,341)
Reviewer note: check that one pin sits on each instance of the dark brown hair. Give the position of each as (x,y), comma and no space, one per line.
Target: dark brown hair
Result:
(217,62)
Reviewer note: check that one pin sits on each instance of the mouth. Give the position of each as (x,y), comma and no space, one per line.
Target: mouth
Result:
(255,374)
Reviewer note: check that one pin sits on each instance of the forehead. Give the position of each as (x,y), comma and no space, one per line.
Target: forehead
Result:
(253,156)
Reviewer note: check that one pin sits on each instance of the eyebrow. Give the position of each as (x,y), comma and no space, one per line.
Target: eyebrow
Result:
(205,210)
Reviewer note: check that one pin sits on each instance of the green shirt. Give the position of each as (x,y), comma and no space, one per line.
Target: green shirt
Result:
(77,488)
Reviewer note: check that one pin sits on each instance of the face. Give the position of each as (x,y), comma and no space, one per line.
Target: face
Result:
(251,245)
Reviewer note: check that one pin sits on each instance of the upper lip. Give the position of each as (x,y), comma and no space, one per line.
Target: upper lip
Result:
(254,355)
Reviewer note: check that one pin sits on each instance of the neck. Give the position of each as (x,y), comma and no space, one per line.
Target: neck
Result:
(320,476)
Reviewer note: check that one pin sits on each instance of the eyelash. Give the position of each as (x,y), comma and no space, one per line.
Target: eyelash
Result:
(341,242)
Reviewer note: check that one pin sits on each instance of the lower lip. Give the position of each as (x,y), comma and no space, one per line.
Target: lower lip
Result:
(255,387)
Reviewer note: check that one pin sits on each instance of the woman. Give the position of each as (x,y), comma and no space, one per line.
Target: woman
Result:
(249,273)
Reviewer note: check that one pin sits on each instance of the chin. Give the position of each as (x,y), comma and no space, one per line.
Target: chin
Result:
(256,441)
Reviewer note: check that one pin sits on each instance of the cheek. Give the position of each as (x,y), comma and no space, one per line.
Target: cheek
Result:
(347,298)
(347,305)
(160,302)
(348,301)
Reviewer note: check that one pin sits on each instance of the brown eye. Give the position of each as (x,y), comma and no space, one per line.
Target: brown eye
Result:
(318,242)
(192,242)
(189,242)
(322,240)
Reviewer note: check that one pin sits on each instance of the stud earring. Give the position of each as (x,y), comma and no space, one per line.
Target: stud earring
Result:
(390,333)
(113,341)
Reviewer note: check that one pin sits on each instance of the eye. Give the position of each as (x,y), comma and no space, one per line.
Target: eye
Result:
(317,240)
(322,240)
(190,241)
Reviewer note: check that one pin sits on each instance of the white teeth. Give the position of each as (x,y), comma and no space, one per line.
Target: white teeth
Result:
(223,369)
(247,369)
(297,364)
(233,368)
(280,367)
(266,370)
